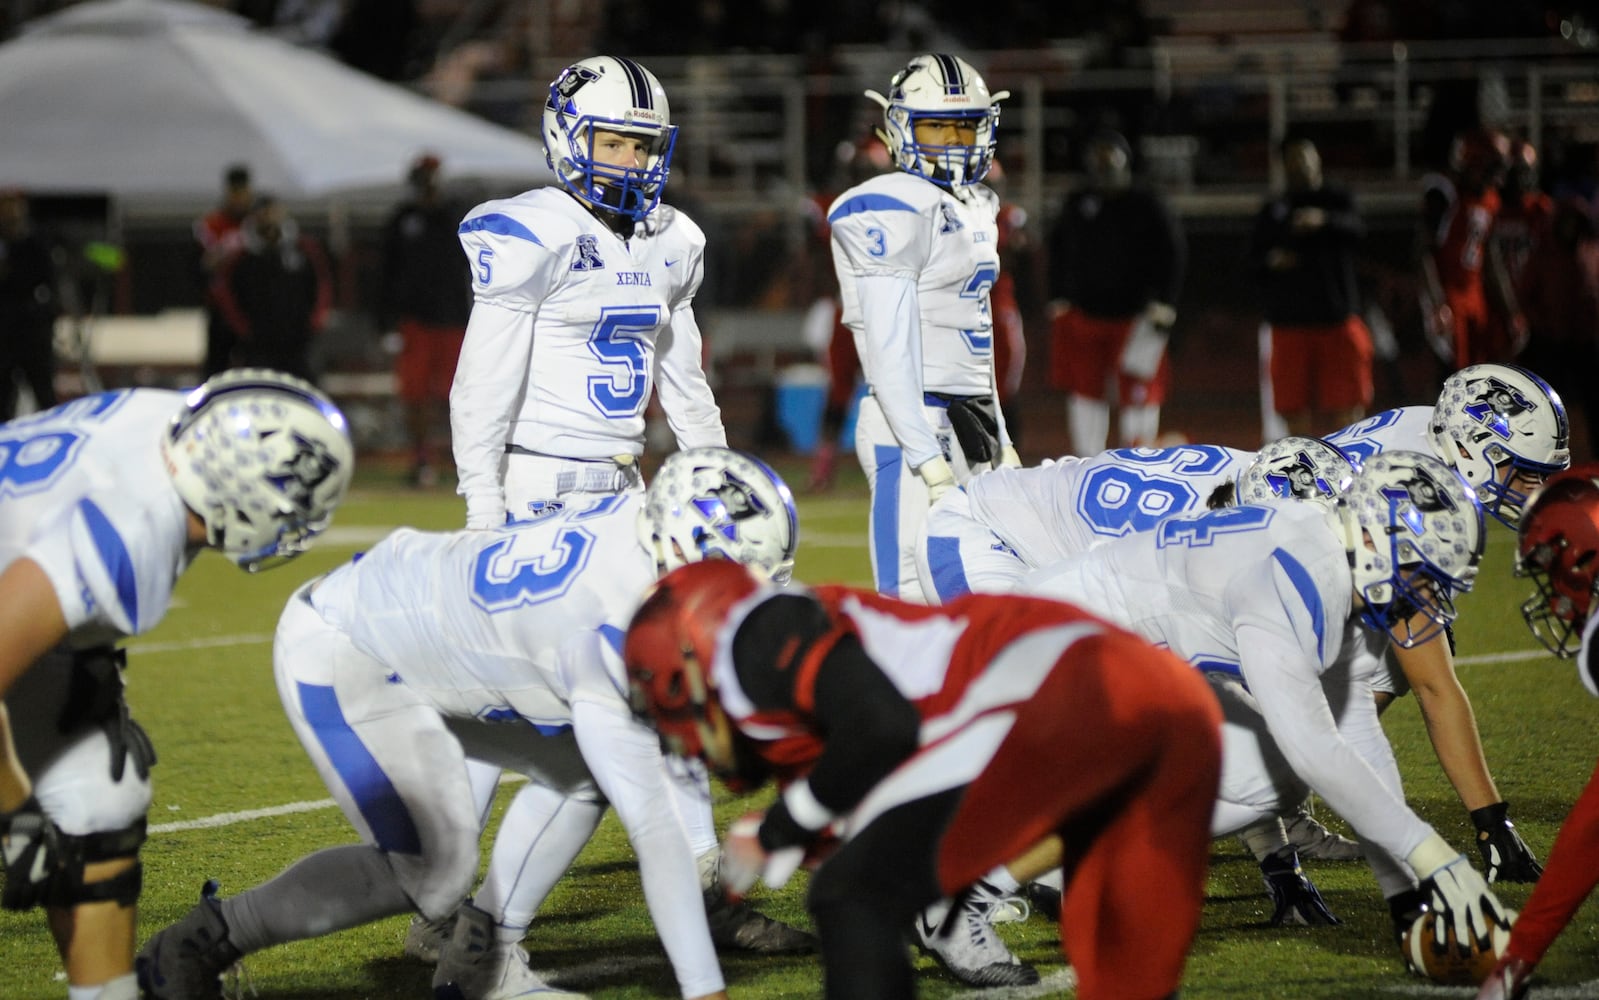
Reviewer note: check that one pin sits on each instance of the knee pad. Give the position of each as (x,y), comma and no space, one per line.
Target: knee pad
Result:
(67,887)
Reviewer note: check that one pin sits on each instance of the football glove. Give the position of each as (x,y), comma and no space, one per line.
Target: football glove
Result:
(30,846)
(1505,856)
(1508,981)
(935,473)
(1404,907)
(1295,899)
(1458,893)
(745,861)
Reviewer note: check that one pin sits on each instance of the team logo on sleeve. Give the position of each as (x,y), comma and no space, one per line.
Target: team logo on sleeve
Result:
(952,222)
(725,505)
(588,254)
(1496,404)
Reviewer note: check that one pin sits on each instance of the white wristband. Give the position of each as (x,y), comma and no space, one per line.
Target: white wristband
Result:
(1430,855)
(803,807)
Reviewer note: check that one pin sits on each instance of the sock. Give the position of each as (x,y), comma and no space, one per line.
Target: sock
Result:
(1054,879)
(121,988)
(541,835)
(1264,838)
(1089,421)
(1001,879)
(331,890)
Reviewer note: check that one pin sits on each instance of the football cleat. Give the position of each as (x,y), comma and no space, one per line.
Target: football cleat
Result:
(425,939)
(186,960)
(474,966)
(961,936)
(1316,841)
(741,927)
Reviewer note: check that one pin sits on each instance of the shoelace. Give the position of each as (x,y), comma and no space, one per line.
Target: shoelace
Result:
(236,980)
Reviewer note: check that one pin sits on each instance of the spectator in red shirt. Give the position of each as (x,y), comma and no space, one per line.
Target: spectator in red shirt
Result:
(216,236)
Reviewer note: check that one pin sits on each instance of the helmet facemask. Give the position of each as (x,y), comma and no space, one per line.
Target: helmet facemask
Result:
(1558,549)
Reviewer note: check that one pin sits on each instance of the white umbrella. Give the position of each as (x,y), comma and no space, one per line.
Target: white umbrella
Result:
(154,98)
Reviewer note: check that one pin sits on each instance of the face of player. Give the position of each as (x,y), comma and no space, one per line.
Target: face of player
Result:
(613,149)
(945,132)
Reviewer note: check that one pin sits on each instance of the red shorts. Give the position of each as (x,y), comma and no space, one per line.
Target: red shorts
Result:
(1478,338)
(1323,369)
(1085,353)
(426,365)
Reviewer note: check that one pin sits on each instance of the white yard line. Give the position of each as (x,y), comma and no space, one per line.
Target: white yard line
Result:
(246,815)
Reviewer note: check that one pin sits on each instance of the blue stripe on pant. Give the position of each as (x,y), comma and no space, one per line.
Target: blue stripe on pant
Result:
(380,803)
(949,573)
(885,519)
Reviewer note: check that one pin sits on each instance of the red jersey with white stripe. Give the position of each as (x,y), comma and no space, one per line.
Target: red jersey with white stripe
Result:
(931,654)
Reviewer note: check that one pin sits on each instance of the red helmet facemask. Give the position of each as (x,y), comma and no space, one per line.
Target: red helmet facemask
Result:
(1558,549)
(669,649)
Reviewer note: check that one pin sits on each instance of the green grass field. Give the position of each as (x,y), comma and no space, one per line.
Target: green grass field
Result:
(202,685)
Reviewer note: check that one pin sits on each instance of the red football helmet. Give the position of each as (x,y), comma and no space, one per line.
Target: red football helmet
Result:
(670,645)
(1558,548)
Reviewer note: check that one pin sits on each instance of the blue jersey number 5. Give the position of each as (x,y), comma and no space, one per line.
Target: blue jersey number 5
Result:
(617,340)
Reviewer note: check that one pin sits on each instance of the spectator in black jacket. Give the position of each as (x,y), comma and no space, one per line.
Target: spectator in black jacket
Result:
(1319,350)
(426,299)
(28,307)
(1116,261)
(275,291)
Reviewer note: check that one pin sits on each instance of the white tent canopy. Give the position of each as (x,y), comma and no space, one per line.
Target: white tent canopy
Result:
(154,98)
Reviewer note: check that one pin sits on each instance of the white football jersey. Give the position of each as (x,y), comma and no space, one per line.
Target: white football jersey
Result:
(1404,429)
(1265,592)
(901,225)
(572,328)
(1046,513)
(84,492)
(486,624)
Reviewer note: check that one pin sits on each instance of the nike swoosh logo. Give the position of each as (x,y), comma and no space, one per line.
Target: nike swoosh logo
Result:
(671,262)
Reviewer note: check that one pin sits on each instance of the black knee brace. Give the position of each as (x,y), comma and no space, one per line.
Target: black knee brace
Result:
(67,887)
(95,699)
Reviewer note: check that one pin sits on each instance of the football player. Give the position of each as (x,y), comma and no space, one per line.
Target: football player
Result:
(921,748)
(104,501)
(988,535)
(1558,548)
(1504,430)
(1263,598)
(434,648)
(584,304)
(916,252)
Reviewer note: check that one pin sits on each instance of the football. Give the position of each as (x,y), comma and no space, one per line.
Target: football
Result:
(1453,964)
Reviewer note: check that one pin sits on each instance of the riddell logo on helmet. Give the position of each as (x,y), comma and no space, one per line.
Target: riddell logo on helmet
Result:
(646,115)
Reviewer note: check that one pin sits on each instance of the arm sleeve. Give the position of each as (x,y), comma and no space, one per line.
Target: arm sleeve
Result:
(893,361)
(625,759)
(867,727)
(1567,880)
(489,381)
(1285,684)
(685,393)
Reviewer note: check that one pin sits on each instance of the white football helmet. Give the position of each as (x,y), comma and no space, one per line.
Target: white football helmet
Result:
(939,87)
(263,458)
(1414,533)
(610,94)
(1296,468)
(1505,430)
(719,503)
